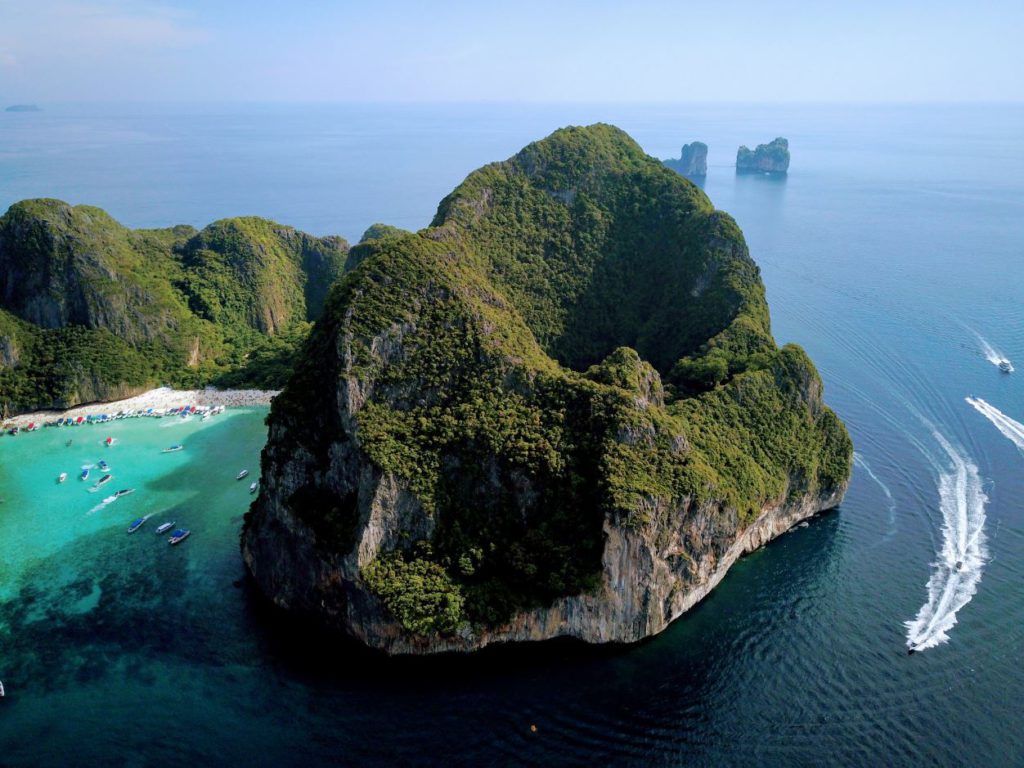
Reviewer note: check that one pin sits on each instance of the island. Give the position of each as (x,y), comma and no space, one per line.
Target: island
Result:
(692,162)
(23,108)
(91,310)
(558,410)
(772,158)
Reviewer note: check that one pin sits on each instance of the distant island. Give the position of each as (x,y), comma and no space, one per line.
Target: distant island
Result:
(767,158)
(693,160)
(23,108)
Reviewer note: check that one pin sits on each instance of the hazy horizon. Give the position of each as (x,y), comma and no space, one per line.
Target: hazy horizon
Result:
(655,51)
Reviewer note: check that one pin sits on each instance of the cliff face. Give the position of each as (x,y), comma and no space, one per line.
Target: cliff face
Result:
(101,310)
(767,158)
(693,160)
(556,411)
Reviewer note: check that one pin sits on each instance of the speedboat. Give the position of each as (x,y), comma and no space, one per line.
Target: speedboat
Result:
(109,441)
(164,527)
(243,473)
(959,564)
(173,449)
(123,492)
(179,535)
(103,466)
(1005,366)
(254,486)
(62,477)
(136,524)
(84,475)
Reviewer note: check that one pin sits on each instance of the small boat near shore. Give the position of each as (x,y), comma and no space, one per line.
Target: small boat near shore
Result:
(173,449)
(138,523)
(254,486)
(62,477)
(179,536)
(164,527)
(241,475)
(101,482)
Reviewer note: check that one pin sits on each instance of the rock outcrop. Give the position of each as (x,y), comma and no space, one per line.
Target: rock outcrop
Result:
(693,160)
(767,158)
(557,411)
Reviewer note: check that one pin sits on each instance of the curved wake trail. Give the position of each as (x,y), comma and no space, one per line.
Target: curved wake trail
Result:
(1012,430)
(958,569)
(861,462)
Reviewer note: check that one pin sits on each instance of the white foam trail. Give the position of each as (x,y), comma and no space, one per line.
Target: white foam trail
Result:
(992,354)
(962,503)
(861,462)
(1012,430)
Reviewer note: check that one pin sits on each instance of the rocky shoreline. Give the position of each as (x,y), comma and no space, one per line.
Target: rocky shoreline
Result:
(159,399)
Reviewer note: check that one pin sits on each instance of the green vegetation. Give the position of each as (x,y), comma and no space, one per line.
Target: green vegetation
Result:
(96,310)
(771,158)
(512,356)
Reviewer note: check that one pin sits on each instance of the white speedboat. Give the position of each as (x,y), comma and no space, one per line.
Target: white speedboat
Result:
(254,486)
(244,473)
(164,527)
(62,477)
(1005,366)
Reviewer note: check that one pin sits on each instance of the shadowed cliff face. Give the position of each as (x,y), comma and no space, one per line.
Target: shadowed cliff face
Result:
(97,309)
(557,411)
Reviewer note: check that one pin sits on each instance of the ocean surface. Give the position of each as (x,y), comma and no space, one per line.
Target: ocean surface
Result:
(893,252)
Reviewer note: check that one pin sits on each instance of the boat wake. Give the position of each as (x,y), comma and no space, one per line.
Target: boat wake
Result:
(992,354)
(961,560)
(1011,429)
(861,462)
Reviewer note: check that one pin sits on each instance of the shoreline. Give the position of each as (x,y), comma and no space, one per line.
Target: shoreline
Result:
(159,399)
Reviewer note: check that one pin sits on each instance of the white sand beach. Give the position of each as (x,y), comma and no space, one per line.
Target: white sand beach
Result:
(158,399)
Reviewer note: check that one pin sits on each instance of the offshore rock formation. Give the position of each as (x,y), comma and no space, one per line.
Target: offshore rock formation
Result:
(91,310)
(767,158)
(693,160)
(557,411)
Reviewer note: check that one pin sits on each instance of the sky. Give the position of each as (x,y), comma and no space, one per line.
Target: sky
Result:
(549,51)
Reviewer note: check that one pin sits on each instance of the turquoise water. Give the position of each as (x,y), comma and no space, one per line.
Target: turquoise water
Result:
(892,252)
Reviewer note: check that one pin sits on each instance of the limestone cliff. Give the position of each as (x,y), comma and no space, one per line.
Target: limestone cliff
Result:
(693,160)
(767,158)
(91,310)
(556,411)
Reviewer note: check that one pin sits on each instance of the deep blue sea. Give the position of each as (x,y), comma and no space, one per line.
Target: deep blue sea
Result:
(893,252)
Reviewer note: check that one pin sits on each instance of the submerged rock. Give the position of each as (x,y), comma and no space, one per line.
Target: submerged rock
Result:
(767,158)
(693,160)
(557,411)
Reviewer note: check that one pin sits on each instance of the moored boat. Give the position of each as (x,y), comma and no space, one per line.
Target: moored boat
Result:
(62,477)
(244,473)
(136,524)
(254,486)
(173,449)
(164,527)
(84,475)
(179,536)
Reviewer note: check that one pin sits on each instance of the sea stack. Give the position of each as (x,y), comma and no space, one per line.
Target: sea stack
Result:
(693,160)
(557,411)
(767,158)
